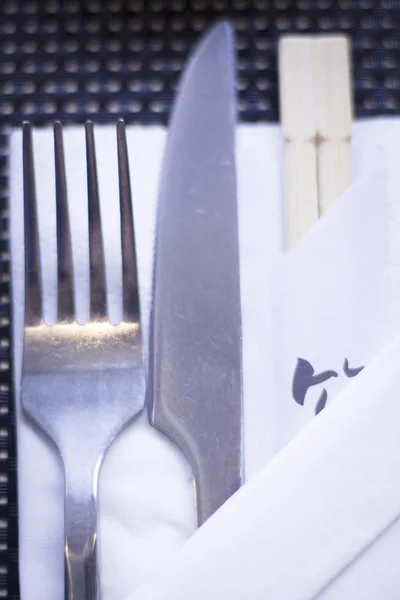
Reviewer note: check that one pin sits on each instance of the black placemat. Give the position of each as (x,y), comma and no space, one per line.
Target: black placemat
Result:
(72,60)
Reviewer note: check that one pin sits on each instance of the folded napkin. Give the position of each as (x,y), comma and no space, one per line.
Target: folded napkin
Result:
(146,510)
(330,305)
(319,520)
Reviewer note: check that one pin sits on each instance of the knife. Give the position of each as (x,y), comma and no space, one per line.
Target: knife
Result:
(195,378)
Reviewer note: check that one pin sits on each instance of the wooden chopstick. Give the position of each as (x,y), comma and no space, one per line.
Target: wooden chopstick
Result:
(334,117)
(299,126)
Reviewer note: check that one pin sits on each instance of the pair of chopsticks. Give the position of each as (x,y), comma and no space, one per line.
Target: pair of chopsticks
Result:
(316,117)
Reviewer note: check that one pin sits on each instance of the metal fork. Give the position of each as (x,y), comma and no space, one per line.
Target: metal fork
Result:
(81,384)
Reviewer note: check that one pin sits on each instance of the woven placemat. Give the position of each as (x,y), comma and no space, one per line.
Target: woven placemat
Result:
(72,60)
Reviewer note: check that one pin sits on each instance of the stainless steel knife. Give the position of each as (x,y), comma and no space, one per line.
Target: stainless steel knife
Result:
(195,378)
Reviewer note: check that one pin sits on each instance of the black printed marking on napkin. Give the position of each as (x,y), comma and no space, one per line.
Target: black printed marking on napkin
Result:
(305,377)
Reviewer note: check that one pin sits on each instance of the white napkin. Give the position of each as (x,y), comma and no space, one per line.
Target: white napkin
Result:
(330,305)
(312,515)
(146,503)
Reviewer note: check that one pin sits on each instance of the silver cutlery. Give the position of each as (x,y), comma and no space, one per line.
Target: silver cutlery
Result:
(195,388)
(81,384)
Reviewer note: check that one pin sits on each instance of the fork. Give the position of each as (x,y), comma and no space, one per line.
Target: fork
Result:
(81,384)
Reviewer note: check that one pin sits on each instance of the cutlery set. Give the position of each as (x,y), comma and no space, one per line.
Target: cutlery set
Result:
(83,383)
(165,384)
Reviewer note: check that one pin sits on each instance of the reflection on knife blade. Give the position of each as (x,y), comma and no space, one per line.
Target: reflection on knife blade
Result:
(195,383)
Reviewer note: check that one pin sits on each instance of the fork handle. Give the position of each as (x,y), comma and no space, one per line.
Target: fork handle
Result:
(81,573)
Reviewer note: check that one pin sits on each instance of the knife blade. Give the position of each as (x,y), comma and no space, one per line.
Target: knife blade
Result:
(195,377)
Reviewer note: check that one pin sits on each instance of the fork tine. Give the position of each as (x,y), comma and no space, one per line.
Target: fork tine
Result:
(64,252)
(130,291)
(33,291)
(98,306)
